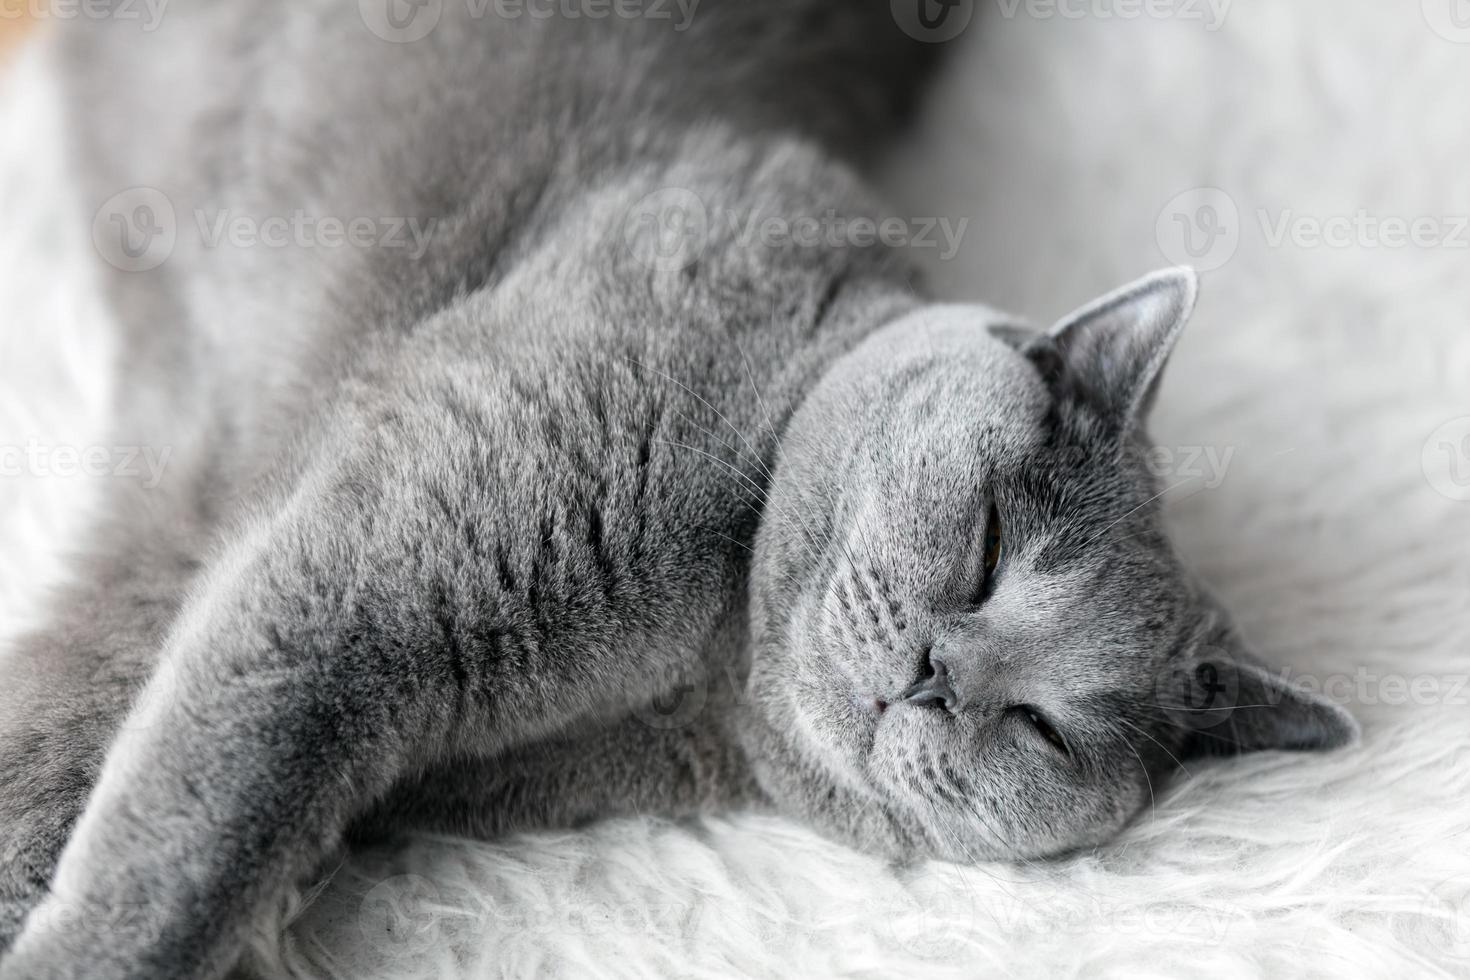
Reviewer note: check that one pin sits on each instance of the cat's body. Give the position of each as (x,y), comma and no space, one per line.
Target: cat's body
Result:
(463,535)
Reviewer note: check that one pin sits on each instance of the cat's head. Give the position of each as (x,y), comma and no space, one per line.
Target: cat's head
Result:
(973,639)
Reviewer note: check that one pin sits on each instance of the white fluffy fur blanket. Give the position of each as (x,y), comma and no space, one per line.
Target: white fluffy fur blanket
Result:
(1320,482)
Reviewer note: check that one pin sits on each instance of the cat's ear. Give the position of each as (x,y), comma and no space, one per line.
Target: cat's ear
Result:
(1233,703)
(1113,350)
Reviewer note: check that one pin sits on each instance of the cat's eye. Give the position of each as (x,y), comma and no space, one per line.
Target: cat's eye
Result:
(1042,727)
(994,547)
(993,542)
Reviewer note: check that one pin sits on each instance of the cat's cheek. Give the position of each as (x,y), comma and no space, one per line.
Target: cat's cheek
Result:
(830,722)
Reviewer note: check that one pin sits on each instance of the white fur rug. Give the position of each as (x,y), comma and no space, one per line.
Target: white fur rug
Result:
(1322,483)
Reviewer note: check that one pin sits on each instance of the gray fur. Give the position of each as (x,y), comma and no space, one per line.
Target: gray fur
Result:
(523,532)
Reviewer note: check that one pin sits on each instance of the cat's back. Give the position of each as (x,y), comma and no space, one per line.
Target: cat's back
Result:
(302,95)
(451,134)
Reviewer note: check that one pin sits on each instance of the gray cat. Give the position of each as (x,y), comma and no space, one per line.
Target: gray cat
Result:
(590,503)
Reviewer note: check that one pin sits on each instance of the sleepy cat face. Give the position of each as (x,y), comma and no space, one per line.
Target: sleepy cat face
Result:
(974,640)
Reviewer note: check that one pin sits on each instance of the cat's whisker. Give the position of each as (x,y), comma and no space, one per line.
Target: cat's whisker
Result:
(704,401)
(720,534)
(988,867)
(754,457)
(1182,708)
(739,454)
(749,485)
(863,542)
(760,401)
(1144,732)
(968,806)
(1195,732)
(985,867)
(1153,802)
(1112,524)
(791,517)
(776,440)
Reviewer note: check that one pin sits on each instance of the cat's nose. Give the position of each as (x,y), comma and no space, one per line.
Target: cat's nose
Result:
(935,689)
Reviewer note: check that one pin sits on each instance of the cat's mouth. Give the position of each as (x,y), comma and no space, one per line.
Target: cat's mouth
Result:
(931,690)
(866,720)
(903,715)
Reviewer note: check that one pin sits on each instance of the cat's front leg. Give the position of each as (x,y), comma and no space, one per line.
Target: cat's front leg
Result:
(289,692)
(326,653)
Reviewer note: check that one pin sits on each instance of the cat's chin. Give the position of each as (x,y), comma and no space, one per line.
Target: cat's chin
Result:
(836,725)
